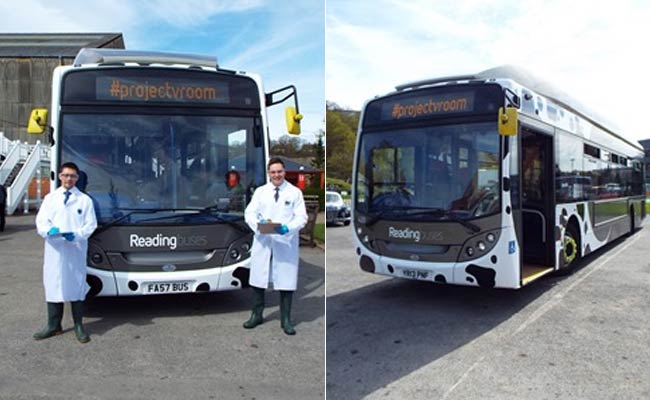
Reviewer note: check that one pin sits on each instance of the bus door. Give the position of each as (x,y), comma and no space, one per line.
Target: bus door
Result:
(537,199)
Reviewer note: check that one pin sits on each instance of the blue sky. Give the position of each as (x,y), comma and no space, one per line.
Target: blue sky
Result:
(594,50)
(283,41)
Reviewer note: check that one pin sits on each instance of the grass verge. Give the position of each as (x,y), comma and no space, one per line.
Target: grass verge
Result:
(319,233)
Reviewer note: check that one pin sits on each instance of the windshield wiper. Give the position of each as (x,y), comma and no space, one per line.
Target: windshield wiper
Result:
(435,212)
(194,211)
(200,211)
(441,212)
(376,216)
(121,218)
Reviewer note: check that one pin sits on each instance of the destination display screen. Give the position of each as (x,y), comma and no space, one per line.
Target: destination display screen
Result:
(158,86)
(434,103)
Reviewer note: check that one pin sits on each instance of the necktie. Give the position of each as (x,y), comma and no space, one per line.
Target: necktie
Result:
(276,196)
(67,196)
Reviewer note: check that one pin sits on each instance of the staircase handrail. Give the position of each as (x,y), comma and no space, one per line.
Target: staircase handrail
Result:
(19,187)
(5,144)
(11,160)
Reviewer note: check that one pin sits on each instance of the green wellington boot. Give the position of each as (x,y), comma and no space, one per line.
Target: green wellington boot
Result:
(258,306)
(77,317)
(54,315)
(285,312)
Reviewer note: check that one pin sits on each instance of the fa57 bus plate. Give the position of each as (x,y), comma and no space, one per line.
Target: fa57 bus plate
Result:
(167,287)
(415,274)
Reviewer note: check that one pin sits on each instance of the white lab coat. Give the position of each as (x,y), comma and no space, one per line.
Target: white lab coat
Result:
(64,262)
(282,269)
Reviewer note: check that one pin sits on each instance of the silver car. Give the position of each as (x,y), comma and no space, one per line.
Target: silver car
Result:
(335,209)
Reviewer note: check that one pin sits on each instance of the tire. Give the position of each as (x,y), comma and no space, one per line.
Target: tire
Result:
(632,224)
(571,251)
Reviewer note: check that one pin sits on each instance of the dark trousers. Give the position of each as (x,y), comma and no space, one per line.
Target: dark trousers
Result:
(3,210)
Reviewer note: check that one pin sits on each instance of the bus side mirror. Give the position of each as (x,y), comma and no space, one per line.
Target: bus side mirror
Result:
(293,120)
(508,121)
(37,121)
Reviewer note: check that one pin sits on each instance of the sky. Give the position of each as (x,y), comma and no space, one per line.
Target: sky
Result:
(595,51)
(281,40)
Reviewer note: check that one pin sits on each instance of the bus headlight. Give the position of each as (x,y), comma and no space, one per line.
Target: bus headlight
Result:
(245,247)
(234,254)
(97,258)
(479,245)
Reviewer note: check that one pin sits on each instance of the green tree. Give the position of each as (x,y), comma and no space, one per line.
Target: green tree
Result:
(341,134)
(287,146)
(319,152)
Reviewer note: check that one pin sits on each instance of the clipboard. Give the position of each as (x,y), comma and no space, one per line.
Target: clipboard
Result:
(268,227)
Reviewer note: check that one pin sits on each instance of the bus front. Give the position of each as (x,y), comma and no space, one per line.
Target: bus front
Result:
(428,197)
(170,156)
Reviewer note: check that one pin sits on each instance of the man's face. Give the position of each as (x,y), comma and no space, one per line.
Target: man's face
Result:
(276,172)
(68,177)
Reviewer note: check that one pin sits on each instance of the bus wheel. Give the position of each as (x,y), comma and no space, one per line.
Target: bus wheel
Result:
(571,250)
(632,225)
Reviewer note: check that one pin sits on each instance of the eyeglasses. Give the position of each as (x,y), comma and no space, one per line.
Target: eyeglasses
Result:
(69,176)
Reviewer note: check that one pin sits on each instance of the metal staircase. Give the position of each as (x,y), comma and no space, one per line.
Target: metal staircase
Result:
(20,164)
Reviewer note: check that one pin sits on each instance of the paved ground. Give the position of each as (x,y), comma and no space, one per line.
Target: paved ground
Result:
(163,347)
(584,336)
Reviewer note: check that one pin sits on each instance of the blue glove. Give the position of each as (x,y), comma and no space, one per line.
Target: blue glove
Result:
(282,229)
(53,231)
(68,236)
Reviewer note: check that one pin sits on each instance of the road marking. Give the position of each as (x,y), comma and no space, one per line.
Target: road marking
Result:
(544,308)
(555,300)
(462,377)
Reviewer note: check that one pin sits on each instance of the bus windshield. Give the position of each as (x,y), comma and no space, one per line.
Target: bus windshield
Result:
(132,161)
(452,170)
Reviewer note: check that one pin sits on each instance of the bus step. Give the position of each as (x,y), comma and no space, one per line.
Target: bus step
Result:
(531,272)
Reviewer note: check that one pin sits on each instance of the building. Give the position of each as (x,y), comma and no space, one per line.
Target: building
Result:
(27,61)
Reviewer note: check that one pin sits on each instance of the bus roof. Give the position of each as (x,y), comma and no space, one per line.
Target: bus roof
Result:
(116,56)
(529,81)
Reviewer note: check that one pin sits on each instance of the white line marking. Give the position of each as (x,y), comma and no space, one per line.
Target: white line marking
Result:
(544,308)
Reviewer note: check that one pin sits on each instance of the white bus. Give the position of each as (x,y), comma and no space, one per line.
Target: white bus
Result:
(489,180)
(170,148)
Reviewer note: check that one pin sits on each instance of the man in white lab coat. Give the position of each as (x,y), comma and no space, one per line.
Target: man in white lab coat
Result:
(66,220)
(275,256)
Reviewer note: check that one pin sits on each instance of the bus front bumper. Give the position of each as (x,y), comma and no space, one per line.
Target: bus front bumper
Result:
(109,283)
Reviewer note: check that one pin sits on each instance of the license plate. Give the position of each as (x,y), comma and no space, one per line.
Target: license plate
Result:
(416,274)
(166,287)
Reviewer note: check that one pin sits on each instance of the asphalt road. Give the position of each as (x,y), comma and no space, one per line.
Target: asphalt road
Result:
(583,336)
(164,347)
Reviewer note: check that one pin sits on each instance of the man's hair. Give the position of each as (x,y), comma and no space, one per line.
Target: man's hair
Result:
(69,165)
(275,160)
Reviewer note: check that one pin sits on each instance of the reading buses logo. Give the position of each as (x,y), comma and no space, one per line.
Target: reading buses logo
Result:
(406,233)
(171,242)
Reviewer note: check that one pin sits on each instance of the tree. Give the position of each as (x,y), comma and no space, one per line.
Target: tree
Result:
(341,135)
(319,152)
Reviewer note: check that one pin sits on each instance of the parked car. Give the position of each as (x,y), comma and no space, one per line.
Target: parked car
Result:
(335,209)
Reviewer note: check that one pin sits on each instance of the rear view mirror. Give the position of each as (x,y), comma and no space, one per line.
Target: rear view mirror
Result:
(37,121)
(293,120)
(508,121)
